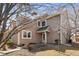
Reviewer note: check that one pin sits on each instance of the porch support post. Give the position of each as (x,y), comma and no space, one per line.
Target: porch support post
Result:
(18,42)
(45,37)
(61,39)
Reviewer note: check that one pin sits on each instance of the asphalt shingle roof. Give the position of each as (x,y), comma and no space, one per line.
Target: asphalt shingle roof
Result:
(42,28)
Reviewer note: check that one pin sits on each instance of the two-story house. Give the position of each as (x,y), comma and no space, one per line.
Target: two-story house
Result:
(46,29)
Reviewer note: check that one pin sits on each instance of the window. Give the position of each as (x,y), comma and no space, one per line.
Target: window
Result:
(26,34)
(41,23)
(44,23)
(29,34)
(38,23)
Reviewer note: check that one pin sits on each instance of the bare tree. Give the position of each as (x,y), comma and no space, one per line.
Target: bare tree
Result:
(7,10)
(11,9)
(70,18)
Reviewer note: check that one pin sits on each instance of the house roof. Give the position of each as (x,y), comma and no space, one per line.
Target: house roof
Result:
(54,15)
(42,28)
(48,16)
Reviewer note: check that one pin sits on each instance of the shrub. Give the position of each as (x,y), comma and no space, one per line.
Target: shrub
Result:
(10,43)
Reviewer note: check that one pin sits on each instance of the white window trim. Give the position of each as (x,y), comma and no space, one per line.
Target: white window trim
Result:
(27,34)
(45,23)
(40,23)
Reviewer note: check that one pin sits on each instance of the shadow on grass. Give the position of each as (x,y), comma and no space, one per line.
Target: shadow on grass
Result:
(59,48)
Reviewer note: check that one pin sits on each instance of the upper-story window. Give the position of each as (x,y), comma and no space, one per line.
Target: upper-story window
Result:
(26,34)
(38,23)
(41,23)
(44,23)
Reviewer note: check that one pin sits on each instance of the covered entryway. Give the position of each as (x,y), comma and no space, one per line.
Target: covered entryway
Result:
(44,31)
(44,37)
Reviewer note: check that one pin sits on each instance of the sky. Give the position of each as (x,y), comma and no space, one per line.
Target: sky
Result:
(49,8)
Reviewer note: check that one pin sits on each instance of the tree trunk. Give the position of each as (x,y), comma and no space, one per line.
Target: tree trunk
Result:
(1,37)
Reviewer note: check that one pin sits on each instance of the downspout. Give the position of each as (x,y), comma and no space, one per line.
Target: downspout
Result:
(61,40)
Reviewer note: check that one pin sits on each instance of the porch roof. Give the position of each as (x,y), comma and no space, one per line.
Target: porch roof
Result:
(42,28)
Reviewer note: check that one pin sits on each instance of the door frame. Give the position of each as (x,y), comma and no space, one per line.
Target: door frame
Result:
(43,37)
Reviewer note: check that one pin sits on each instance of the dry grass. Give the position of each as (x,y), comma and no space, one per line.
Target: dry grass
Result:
(51,51)
(60,50)
(58,53)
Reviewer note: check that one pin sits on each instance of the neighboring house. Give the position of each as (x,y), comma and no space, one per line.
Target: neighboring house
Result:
(47,29)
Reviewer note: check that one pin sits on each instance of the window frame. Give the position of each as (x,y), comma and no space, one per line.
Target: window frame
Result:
(45,23)
(40,23)
(26,34)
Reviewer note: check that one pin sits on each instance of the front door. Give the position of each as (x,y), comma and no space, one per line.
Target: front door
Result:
(43,37)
